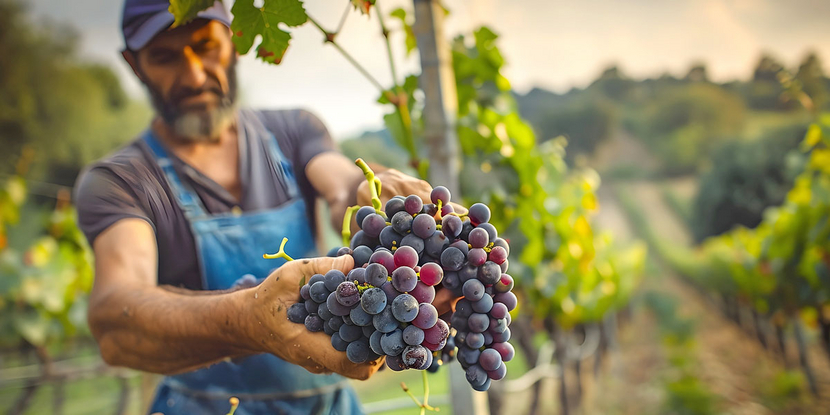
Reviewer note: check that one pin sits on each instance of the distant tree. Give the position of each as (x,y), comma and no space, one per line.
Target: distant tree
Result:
(68,111)
(697,73)
(612,83)
(812,79)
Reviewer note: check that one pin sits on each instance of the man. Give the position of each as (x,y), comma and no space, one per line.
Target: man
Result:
(179,216)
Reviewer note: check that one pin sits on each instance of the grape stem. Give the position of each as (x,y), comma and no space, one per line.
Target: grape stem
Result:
(424,406)
(374,183)
(234,401)
(346,232)
(281,253)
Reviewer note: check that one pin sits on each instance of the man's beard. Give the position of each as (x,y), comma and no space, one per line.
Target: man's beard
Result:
(198,125)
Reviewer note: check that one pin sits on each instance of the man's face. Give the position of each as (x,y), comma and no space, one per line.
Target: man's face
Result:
(190,72)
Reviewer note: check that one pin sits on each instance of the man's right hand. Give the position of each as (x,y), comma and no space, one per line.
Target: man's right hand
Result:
(272,332)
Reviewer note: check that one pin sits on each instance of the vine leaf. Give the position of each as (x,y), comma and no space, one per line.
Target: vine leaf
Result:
(185,10)
(411,42)
(250,22)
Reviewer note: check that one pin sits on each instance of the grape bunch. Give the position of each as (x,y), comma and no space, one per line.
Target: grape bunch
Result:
(384,307)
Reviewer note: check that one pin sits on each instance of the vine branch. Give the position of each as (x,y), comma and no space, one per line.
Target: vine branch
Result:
(330,39)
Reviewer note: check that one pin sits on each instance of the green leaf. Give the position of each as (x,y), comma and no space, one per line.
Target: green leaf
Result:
(249,22)
(185,10)
(411,41)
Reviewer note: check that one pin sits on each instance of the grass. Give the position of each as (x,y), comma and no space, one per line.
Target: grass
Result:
(681,207)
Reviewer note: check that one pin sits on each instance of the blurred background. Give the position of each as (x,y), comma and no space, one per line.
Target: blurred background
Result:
(662,170)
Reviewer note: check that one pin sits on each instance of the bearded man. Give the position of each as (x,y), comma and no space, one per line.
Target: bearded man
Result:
(178,217)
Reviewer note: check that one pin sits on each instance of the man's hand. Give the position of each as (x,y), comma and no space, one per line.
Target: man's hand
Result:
(272,332)
(394,183)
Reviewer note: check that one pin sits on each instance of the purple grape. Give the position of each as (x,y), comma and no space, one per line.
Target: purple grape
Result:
(476,375)
(489,360)
(451,226)
(504,265)
(467,272)
(297,313)
(479,213)
(361,255)
(497,326)
(404,279)
(473,290)
(452,282)
(413,241)
(389,238)
(412,335)
(484,305)
(395,363)
(316,278)
(477,257)
(478,322)
(499,373)
(360,317)
(423,226)
(350,333)
(502,243)
(414,356)
(358,351)
(347,293)
(390,291)
(333,278)
(344,251)
(335,323)
(483,387)
(489,273)
(437,333)
(392,342)
(464,308)
(304,292)
(335,307)
(423,293)
(452,259)
(373,301)
(362,213)
(413,204)
(431,273)
(384,321)
(313,323)
(376,274)
(374,342)
(488,338)
(338,343)
(384,258)
(509,299)
(498,311)
(468,356)
(461,246)
(427,316)
(323,312)
(501,337)
(435,244)
(318,292)
(405,256)
(402,222)
(373,224)
(475,340)
(440,193)
(393,206)
(505,283)
(429,209)
(505,350)
(479,238)
(404,308)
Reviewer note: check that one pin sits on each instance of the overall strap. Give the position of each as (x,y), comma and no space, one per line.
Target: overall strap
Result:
(285,172)
(188,201)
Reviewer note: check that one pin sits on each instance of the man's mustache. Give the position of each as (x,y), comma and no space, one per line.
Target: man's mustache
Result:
(181,94)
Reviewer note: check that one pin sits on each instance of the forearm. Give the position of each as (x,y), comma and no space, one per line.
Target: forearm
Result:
(155,330)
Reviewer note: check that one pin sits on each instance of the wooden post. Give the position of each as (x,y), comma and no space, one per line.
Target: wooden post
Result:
(437,80)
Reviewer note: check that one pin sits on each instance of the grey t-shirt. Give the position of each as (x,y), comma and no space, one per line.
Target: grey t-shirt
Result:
(129,184)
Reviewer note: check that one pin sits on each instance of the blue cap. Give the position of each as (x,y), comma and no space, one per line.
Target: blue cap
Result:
(144,19)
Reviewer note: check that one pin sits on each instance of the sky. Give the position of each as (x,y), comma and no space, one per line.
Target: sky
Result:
(551,44)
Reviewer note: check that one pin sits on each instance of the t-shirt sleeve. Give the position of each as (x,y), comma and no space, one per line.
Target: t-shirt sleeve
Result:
(102,199)
(305,135)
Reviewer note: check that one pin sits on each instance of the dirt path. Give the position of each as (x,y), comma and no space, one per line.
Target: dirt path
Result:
(745,378)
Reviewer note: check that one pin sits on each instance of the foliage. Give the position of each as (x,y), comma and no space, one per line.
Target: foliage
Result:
(68,111)
(250,21)
(585,123)
(43,287)
(746,178)
(683,123)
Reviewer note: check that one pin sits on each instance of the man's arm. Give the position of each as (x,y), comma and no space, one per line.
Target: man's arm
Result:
(143,326)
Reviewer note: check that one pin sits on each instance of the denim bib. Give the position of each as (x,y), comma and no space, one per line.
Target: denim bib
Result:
(230,246)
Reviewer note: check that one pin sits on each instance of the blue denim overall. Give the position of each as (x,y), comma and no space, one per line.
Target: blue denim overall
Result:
(230,246)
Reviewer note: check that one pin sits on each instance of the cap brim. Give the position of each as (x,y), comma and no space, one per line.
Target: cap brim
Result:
(162,21)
